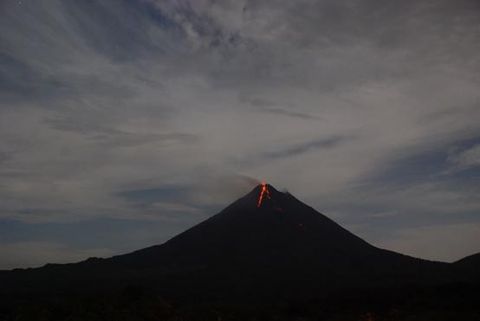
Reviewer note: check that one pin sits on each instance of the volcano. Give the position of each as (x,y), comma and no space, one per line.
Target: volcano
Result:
(267,230)
(267,245)
(269,242)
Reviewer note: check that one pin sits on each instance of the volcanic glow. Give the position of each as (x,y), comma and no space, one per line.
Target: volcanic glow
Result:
(263,193)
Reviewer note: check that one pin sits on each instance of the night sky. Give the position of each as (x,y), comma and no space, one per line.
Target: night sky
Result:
(124,122)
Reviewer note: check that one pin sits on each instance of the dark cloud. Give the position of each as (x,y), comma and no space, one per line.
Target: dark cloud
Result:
(310,146)
(147,197)
(19,79)
(286,112)
(270,107)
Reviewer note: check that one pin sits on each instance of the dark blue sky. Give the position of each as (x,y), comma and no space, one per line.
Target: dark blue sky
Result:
(122,123)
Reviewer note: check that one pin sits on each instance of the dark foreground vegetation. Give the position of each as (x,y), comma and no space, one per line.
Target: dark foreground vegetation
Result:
(134,303)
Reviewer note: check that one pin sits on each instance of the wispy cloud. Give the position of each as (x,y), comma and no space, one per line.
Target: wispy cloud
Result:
(468,158)
(310,146)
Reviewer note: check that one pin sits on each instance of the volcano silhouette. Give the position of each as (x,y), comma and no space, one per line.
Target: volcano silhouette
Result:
(272,246)
(281,234)
(269,248)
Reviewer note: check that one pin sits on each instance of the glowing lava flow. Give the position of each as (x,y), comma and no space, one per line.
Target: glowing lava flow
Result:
(263,193)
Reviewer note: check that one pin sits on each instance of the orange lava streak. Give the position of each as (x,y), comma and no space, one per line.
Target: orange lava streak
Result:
(263,193)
